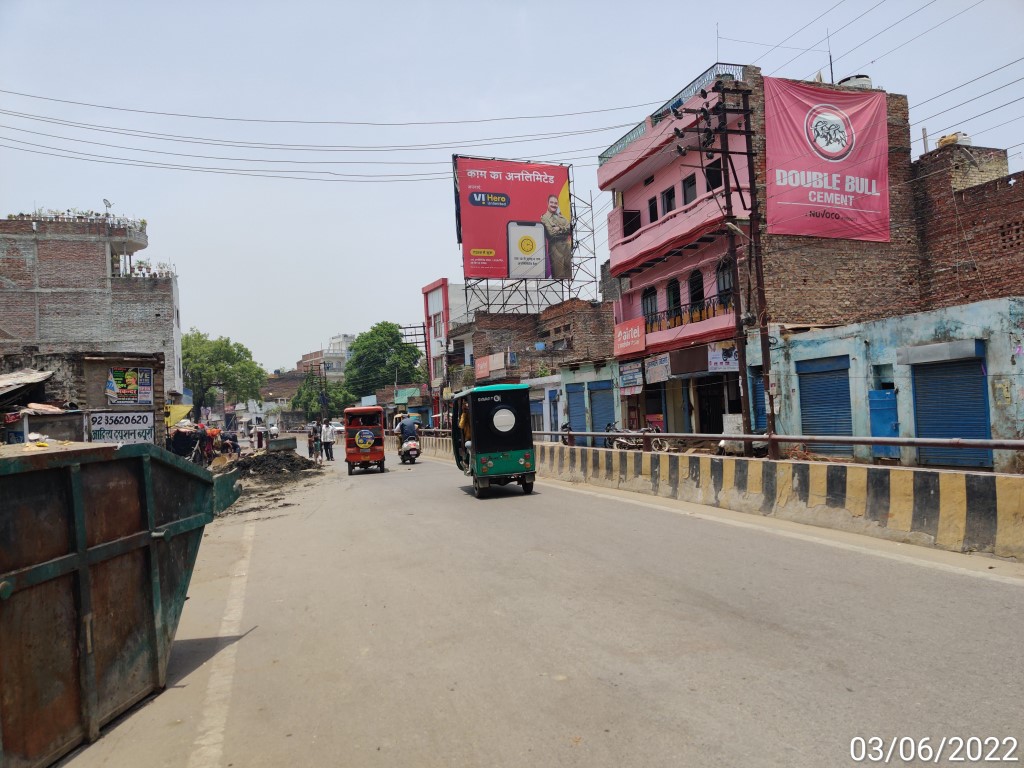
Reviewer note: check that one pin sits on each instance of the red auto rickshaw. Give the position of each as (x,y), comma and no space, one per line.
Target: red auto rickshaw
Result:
(364,437)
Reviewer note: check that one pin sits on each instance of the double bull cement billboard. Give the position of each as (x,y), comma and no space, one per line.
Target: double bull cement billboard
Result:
(513,219)
(827,154)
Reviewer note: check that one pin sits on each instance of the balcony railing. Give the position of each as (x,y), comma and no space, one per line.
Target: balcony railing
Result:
(673,317)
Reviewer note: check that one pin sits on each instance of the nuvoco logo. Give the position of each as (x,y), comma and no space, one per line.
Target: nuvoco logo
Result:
(829,131)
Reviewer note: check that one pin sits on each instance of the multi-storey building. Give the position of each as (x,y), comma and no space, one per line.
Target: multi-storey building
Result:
(74,284)
(680,289)
(935,235)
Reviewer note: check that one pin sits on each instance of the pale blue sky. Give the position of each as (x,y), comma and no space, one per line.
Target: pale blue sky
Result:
(282,264)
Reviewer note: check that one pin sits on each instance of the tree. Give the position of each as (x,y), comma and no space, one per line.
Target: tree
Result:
(378,358)
(211,363)
(307,399)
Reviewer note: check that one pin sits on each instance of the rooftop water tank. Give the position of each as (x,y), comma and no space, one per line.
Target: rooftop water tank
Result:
(863,82)
(961,138)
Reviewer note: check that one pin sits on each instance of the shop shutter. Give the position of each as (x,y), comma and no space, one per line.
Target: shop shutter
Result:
(825,402)
(602,408)
(577,410)
(951,400)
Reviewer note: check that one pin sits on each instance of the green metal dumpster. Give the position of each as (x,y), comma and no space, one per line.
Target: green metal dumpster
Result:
(97,546)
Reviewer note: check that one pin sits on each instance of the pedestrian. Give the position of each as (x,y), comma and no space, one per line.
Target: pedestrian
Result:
(327,437)
(318,453)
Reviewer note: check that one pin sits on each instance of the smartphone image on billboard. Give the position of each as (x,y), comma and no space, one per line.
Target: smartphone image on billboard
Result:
(527,250)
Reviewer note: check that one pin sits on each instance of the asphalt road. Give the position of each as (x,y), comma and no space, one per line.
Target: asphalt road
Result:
(395,620)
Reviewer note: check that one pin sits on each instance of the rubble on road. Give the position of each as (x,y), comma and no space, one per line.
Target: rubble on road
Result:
(277,465)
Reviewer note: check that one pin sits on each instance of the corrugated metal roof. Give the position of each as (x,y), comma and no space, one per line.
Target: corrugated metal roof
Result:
(10,382)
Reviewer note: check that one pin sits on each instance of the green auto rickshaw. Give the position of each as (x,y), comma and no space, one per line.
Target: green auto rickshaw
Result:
(492,437)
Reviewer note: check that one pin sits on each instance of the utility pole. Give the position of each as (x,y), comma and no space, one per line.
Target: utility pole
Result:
(754,260)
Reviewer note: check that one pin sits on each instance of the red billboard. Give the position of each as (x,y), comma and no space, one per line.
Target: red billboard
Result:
(630,337)
(513,219)
(827,156)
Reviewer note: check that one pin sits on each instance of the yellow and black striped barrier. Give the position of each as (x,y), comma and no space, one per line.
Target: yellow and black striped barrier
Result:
(948,509)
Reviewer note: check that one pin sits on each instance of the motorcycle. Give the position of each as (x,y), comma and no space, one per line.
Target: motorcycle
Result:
(409,451)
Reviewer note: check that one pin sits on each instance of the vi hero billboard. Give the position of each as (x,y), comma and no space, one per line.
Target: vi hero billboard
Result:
(827,156)
(513,219)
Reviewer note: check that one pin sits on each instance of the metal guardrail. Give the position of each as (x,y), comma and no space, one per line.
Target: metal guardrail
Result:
(913,442)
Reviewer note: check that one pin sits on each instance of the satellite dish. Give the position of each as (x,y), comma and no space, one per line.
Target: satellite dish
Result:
(107,202)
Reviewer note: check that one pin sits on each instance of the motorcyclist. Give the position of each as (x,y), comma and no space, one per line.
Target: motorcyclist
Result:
(408,428)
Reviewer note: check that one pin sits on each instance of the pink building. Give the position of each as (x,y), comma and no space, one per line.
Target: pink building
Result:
(668,246)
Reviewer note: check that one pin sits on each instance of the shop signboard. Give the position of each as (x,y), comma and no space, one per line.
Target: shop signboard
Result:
(722,356)
(122,427)
(657,368)
(630,337)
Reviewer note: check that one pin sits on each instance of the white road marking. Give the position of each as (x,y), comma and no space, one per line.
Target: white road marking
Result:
(208,747)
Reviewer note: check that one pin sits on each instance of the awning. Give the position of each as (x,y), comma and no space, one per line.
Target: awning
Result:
(175,413)
(13,384)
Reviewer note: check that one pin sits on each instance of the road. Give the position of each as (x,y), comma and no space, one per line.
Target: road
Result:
(395,620)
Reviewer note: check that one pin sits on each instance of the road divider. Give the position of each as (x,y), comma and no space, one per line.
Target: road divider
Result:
(947,509)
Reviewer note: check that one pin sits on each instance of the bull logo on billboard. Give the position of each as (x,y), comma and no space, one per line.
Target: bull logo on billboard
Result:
(829,131)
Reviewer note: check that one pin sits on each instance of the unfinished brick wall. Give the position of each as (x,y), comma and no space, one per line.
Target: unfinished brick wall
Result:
(56,289)
(973,236)
(832,281)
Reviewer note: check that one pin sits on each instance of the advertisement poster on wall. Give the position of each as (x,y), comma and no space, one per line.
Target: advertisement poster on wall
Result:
(722,356)
(827,155)
(513,219)
(130,386)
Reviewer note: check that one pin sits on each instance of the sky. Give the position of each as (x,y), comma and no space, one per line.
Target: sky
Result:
(281,247)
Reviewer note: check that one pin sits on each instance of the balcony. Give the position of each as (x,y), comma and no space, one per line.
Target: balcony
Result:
(687,228)
(708,320)
(688,314)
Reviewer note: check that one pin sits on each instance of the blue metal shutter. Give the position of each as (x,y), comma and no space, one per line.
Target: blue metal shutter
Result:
(602,408)
(757,390)
(825,408)
(951,400)
(577,409)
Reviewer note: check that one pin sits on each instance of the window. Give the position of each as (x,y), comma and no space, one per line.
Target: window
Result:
(630,222)
(668,200)
(652,209)
(649,302)
(724,278)
(696,282)
(438,323)
(713,173)
(689,189)
(672,299)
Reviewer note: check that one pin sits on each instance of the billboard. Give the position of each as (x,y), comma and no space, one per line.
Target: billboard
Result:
(513,219)
(132,386)
(827,156)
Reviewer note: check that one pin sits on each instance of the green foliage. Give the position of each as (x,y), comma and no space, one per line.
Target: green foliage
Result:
(307,399)
(219,363)
(379,358)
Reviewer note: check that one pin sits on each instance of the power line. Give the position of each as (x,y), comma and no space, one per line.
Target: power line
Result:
(805,26)
(404,123)
(824,39)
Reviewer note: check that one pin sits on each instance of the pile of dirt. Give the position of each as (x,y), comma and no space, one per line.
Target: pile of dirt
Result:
(277,465)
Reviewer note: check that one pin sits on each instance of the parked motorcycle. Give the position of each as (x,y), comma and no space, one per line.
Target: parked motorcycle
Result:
(409,451)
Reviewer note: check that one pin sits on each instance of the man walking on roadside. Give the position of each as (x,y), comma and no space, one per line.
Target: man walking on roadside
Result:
(327,438)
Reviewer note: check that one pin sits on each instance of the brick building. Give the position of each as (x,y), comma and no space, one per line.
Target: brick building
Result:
(952,241)
(73,283)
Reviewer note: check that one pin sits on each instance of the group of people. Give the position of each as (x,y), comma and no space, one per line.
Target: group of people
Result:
(320,439)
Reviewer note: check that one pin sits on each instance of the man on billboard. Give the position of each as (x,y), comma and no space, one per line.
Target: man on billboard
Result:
(559,233)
